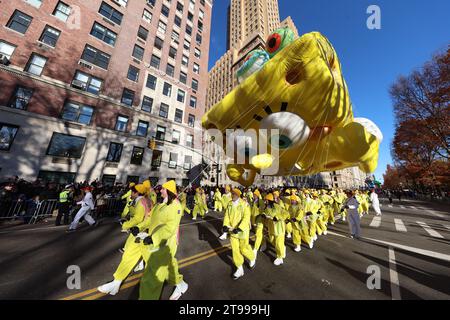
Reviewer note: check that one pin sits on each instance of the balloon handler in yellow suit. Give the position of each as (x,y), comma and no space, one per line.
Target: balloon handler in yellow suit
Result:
(218,201)
(258,222)
(276,217)
(198,204)
(299,224)
(237,223)
(139,209)
(127,197)
(160,245)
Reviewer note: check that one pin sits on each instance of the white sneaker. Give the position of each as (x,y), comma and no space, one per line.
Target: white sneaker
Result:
(180,289)
(255,252)
(239,273)
(139,267)
(298,249)
(343,219)
(325,232)
(315,237)
(311,245)
(278,261)
(194,218)
(332,223)
(288,236)
(111,288)
(223,236)
(252,264)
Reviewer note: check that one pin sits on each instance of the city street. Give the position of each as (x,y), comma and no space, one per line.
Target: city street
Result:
(409,244)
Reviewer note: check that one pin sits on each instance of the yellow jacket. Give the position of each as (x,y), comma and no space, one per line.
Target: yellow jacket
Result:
(137,213)
(277,228)
(238,216)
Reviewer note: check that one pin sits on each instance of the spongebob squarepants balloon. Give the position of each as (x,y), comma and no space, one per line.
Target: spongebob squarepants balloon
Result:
(301,92)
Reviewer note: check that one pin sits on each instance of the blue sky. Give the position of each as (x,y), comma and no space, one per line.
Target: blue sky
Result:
(412,31)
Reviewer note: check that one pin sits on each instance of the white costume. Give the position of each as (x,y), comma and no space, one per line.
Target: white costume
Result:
(375,203)
(87,204)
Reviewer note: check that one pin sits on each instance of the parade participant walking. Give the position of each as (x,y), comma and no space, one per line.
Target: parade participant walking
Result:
(217,201)
(127,198)
(226,197)
(160,247)
(65,199)
(140,208)
(198,204)
(257,220)
(237,223)
(87,204)
(276,216)
(354,219)
(375,202)
(299,224)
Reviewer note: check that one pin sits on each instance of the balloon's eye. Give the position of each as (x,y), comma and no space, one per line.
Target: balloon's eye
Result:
(274,43)
(280,141)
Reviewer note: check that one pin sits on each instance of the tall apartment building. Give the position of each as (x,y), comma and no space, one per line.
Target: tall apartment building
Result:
(85,85)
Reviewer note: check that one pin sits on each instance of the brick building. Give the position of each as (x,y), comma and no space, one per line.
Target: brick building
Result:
(85,85)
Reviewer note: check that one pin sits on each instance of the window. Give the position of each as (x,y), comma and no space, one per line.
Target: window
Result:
(187,162)
(176,136)
(173,160)
(62,11)
(142,128)
(159,43)
(110,13)
(170,70)
(151,82)
(180,7)
(121,123)
(165,11)
(114,152)
(181,95)
(201,14)
(142,33)
(196,68)
(175,36)
(127,97)
(156,158)
(104,34)
(193,102)
(197,53)
(133,74)
(185,61)
(198,39)
(177,21)
(138,52)
(20,98)
(173,53)
(137,156)
(189,30)
(200,26)
(7,135)
(167,90)
(7,49)
(155,61)
(191,120)
(162,27)
(76,112)
(190,17)
(178,116)
(86,82)
(134,179)
(95,56)
(19,22)
(190,141)
(147,104)
(163,110)
(187,45)
(64,145)
(147,16)
(36,64)
(57,176)
(194,85)
(160,133)
(50,36)
(35,3)
(151,3)
(108,180)
(183,77)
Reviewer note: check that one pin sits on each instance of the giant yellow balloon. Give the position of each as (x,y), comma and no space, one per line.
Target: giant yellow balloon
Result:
(301,92)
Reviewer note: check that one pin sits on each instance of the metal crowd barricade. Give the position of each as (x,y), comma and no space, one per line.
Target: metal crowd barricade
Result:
(43,210)
(12,209)
(110,207)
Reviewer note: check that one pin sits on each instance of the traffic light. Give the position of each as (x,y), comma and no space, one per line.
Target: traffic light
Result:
(151,144)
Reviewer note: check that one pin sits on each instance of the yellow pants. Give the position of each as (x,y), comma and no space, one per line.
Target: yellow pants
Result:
(130,258)
(320,225)
(259,233)
(197,209)
(331,218)
(125,211)
(304,232)
(296,235)
(240,248)
(217,206)
(278,243)
(288,227)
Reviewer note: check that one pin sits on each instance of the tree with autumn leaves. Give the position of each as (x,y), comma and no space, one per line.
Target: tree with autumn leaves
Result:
(421,144)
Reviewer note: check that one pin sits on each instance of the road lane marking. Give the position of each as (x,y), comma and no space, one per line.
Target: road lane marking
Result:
(390,206)
(376,222)
(434,213)
(399,225)
(403,207)
(428,253)
(412,207)
(393,275)
(430,231)
(447,226)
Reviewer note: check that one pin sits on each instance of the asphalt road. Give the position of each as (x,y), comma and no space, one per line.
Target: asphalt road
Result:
(408,246)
